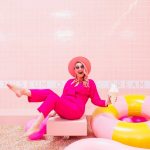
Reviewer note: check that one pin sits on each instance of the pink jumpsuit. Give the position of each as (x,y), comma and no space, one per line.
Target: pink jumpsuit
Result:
(71,104)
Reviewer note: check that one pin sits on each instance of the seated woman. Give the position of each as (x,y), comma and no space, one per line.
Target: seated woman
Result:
(71,104)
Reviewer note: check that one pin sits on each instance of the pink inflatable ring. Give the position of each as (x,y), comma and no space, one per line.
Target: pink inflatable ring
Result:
(106,123)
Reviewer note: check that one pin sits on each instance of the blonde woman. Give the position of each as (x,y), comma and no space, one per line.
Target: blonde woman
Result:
(71,104)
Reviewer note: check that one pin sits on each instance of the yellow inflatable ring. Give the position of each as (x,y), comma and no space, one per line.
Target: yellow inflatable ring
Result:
(106,121)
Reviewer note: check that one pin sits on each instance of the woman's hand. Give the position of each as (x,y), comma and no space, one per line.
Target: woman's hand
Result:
(108,100)
(52,114)
(111,100)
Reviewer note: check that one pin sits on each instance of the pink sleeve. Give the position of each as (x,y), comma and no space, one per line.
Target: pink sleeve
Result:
(95,98)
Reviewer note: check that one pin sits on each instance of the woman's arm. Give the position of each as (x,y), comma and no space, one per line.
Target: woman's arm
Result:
(95,98)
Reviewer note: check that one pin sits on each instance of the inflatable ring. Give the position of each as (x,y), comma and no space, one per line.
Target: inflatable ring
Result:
(99,144)
(106,124)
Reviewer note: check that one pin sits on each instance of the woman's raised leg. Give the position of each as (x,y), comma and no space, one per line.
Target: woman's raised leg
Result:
(34,95)
(18,90)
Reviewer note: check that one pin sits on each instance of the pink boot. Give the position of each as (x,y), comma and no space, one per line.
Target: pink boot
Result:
(39,134)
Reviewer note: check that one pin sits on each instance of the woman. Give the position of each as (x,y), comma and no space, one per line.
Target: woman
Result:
(71,104)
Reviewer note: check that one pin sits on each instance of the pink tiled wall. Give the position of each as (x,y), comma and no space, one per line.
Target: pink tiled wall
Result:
(38,38)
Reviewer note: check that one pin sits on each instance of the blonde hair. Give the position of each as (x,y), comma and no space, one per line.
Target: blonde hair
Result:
(85,77)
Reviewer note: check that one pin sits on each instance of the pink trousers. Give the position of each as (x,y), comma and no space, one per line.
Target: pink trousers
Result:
(51,101)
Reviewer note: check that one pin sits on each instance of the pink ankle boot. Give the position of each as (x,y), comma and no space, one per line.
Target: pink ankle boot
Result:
(39,134)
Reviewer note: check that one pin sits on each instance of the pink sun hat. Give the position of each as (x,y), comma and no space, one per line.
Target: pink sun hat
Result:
(81,59)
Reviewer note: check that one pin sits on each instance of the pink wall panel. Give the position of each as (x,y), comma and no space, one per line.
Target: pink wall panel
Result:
(38,38)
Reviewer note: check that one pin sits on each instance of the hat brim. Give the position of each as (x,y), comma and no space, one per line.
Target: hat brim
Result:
(81,59)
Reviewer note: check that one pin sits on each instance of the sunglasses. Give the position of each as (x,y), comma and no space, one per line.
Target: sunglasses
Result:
(77,67)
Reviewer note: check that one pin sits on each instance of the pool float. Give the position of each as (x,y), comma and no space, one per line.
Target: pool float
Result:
(99,144)
(109,122)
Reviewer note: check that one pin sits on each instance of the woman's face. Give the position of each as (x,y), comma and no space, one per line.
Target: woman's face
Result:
(79,69)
